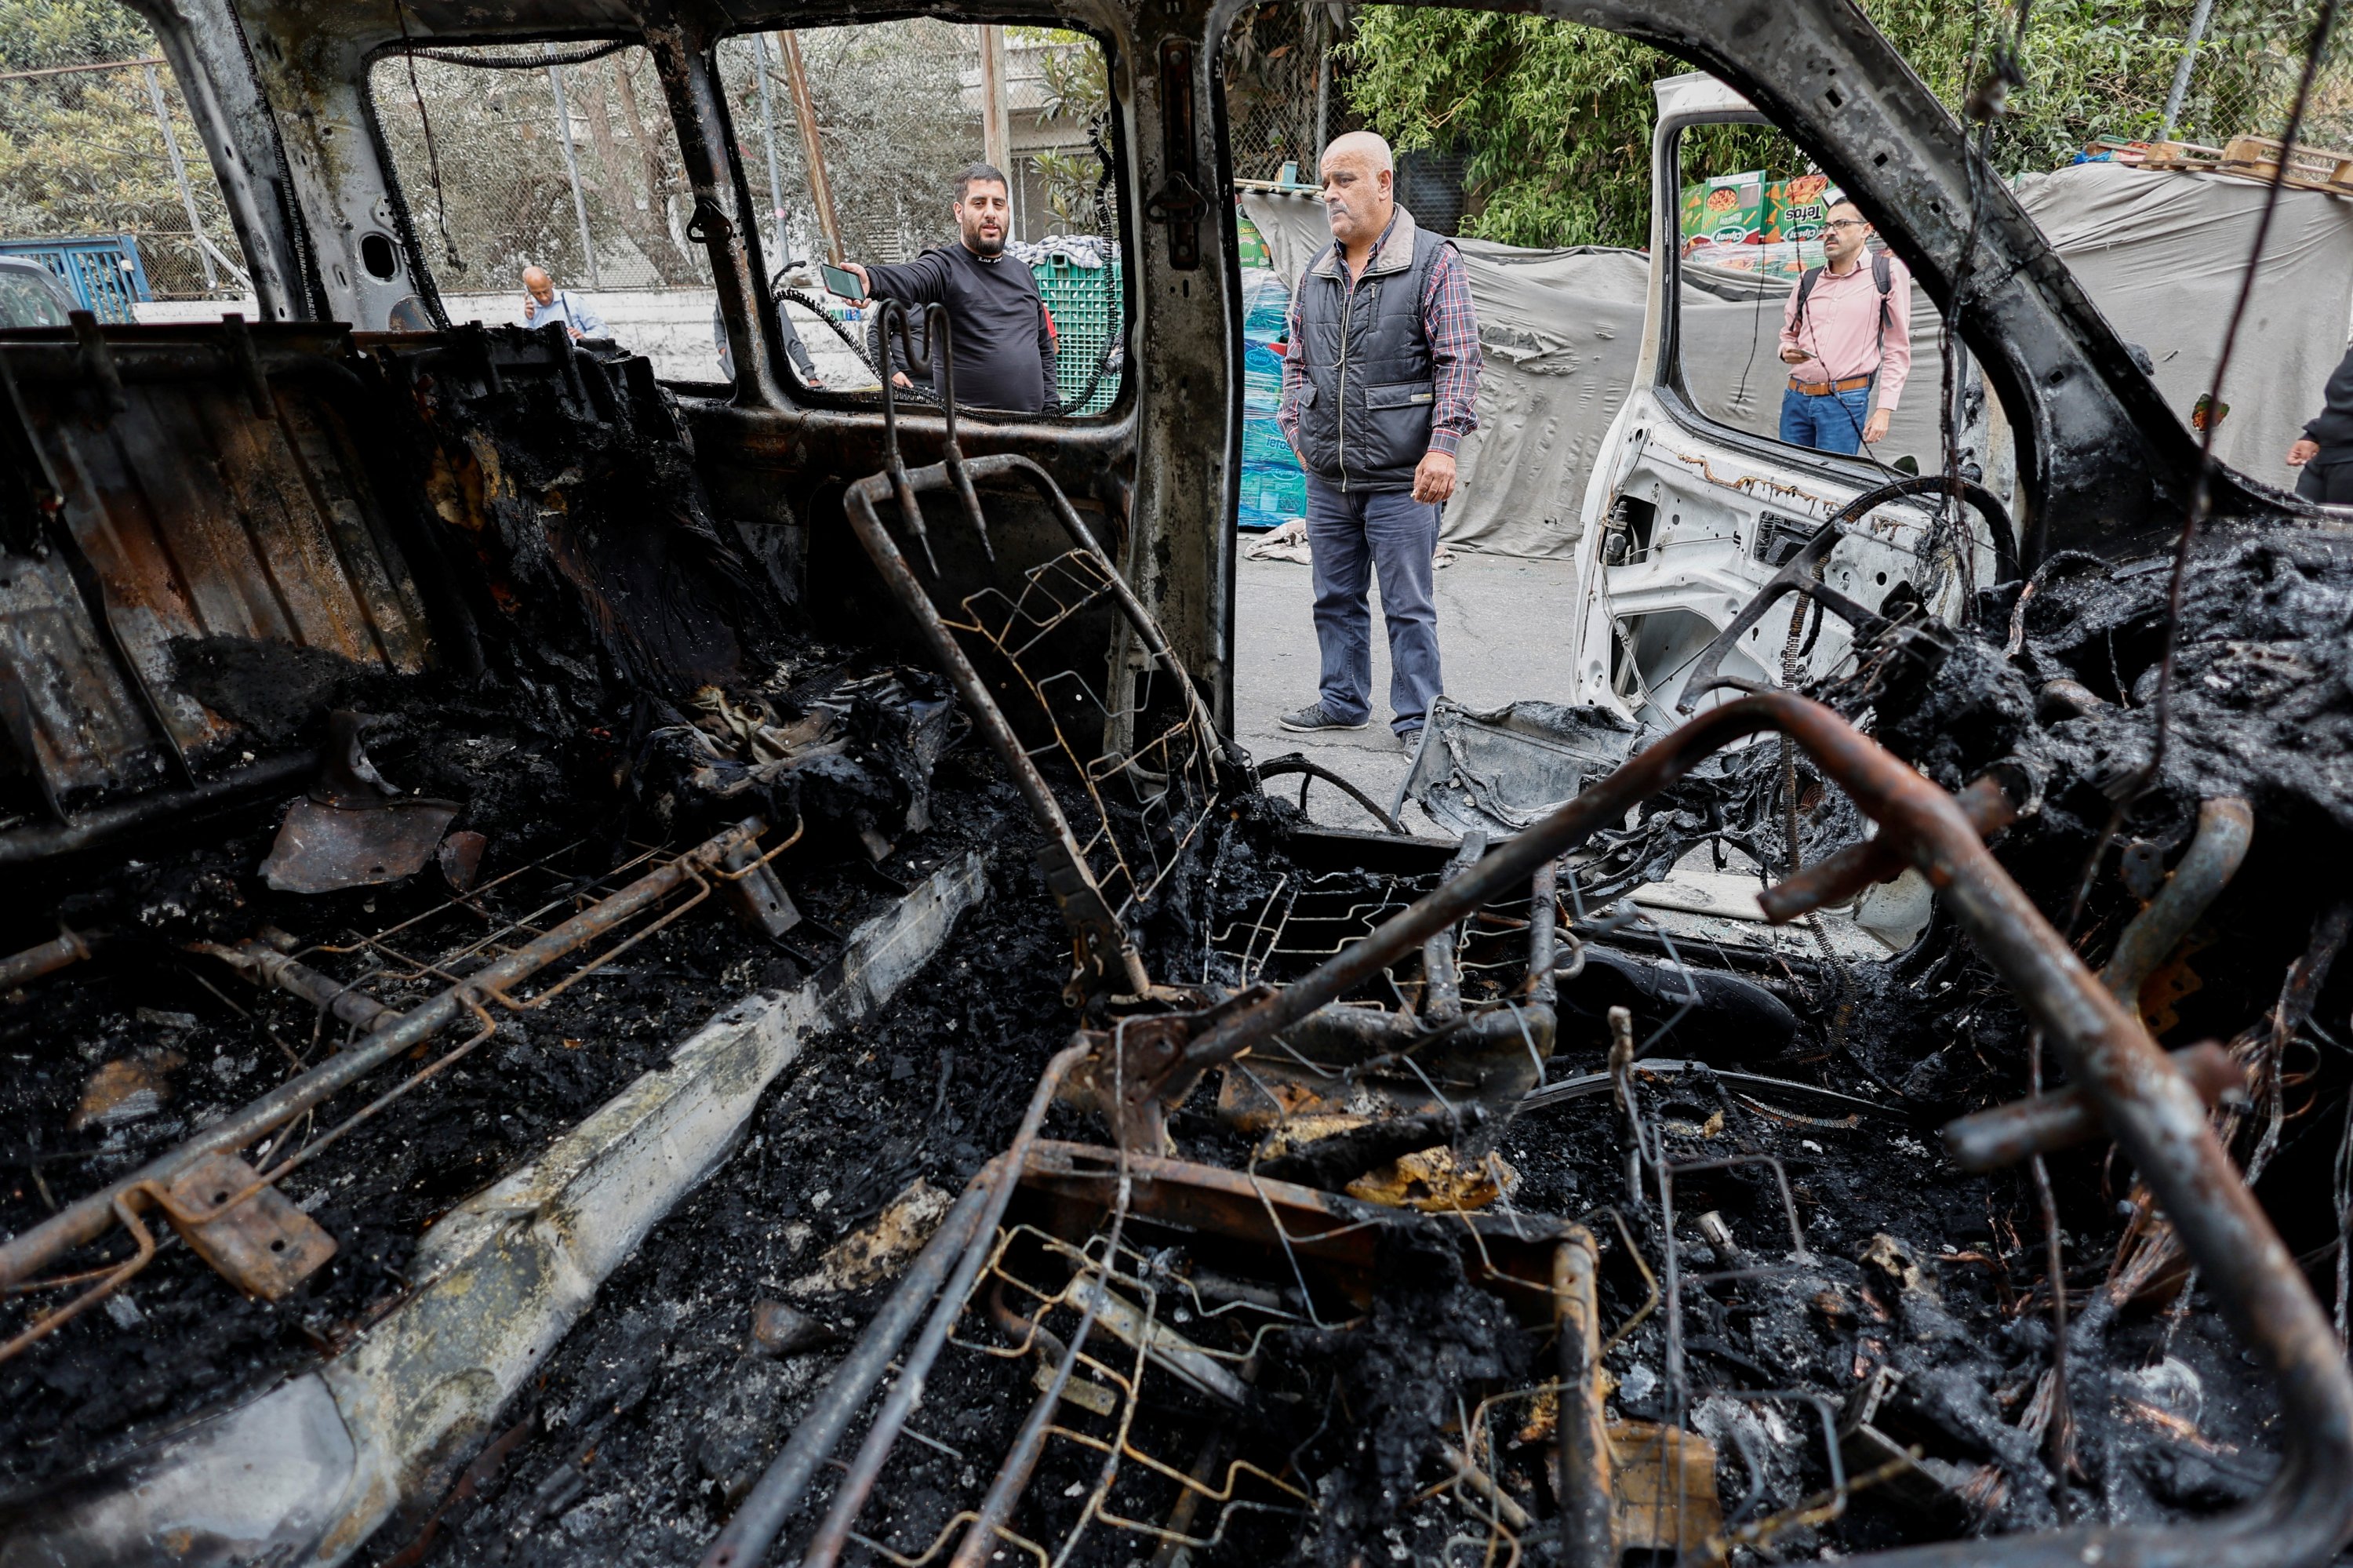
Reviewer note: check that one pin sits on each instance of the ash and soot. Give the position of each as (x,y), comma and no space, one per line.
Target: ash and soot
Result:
(674,1088)
(1812,1329)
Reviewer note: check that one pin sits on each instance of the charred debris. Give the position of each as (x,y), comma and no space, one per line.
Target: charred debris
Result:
(1197,1185)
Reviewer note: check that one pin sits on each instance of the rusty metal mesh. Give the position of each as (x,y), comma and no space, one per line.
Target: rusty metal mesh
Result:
(399,965)
(1147,781)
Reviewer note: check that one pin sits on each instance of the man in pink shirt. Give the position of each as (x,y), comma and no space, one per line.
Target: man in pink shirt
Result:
(1846,332)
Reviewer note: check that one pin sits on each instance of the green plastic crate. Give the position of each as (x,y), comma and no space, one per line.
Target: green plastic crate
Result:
(1089,306)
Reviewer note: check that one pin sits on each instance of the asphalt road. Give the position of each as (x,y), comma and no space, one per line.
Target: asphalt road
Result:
(1502,624)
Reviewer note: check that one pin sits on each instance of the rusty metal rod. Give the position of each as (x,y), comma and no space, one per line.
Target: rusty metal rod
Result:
(1021,1460)
(87,1219)
(2159,1123)
(65,949)
(1503,1508)
(1503,871)
(103,824)
(1839,877)
(2226,825)
(963,1241)
(1989,1140)
(883,1435)
(1442,969)
(1587,1510)
(1105,942)
(868,524)
(1109,950)
(749,1535)
(1544,932)
(264,965)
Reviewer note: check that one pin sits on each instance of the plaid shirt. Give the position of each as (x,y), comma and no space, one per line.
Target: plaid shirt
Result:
(1453,328)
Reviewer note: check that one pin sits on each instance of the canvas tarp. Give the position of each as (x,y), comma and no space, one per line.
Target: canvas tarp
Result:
(1561,330)
(2162,255)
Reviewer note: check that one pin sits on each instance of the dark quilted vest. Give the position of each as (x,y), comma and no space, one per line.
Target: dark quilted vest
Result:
(1365,411)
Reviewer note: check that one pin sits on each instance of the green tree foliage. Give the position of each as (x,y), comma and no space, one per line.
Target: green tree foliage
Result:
(1554,117)
(1077,90)
(37,33)
(80,153)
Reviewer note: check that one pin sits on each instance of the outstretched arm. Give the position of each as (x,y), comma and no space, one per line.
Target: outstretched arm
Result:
(923,282)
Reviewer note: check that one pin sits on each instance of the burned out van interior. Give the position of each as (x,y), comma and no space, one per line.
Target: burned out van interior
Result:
(612,967)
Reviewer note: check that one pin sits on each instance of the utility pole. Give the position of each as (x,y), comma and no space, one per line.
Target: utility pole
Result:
(572,168)
(996,136)
(768,134)
(1311,167)
(805,111)
(180,175)
(2182,72)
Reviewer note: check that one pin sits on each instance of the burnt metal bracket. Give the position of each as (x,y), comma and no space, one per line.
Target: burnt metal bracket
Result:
(98,365)
(236,337)
(1178,202)
(707,223)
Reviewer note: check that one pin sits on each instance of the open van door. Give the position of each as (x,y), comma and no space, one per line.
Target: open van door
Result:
(1696,504)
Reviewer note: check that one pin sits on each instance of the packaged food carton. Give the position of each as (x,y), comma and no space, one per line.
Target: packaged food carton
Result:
(1799,208)
(1727,209)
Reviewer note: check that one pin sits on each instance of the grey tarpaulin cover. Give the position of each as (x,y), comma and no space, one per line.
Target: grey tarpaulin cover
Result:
(2162,254)
(1561,331)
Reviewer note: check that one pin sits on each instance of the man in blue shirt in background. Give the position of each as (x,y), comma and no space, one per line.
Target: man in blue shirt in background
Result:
(543,302)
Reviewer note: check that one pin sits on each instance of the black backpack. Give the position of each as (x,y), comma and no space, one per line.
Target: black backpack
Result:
(1883,272)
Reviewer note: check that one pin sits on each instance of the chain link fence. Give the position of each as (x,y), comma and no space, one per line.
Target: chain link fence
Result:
(894,121)
(1280,109)
(95,141)
(538,155)
(565,158)
(2236,74)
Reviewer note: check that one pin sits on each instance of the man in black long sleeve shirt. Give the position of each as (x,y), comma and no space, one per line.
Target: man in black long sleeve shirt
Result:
(998,336)
(2325,452)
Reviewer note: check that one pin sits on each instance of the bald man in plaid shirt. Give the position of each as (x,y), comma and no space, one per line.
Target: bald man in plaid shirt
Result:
(1378,381)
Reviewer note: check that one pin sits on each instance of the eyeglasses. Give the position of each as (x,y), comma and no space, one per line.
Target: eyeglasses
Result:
(1847,223)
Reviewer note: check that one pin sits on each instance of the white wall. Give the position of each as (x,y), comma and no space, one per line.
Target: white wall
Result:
(169,313)
(672,327)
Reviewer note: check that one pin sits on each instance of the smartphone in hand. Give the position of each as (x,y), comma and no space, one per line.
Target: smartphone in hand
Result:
(842,282)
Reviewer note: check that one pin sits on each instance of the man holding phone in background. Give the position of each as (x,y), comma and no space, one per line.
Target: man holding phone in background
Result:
(1846,336)
(543,302)
(1000,339)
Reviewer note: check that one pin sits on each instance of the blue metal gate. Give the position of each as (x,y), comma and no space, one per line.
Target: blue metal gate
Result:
(104,272)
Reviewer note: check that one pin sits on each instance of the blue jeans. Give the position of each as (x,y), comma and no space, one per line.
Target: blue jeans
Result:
(1354,535)
(1831,422)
